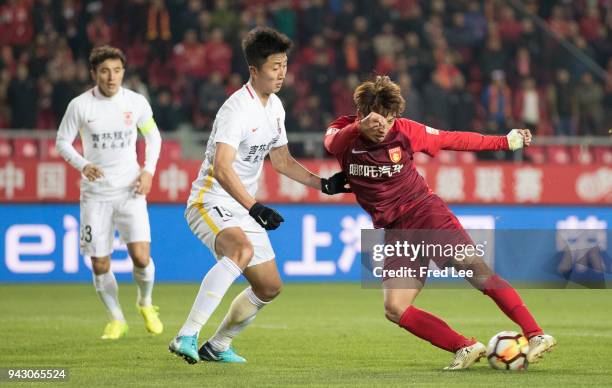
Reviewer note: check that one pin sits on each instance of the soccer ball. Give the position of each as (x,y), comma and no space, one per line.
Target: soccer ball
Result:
(508,351)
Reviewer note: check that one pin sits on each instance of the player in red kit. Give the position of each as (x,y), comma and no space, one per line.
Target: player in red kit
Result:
(375,150)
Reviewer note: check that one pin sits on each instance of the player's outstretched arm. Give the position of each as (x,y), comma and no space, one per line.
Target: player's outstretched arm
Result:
(471,141)
(284,163)
(430,140)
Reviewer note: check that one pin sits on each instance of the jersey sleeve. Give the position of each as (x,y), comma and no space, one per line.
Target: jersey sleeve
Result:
(230,127)
(67,132)
(340,133)
(147,126)
(430,140)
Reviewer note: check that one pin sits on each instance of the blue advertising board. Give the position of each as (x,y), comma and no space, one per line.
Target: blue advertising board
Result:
(39,242)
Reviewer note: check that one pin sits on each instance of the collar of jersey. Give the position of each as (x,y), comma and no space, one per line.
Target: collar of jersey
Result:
(98,94)
(255,97)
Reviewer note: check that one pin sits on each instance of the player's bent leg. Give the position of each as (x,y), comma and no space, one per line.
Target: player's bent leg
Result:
(510,302)
(108,291)
(265,286)
(396,301)
(144,277)
(236,252)
(234,244)
(431,328)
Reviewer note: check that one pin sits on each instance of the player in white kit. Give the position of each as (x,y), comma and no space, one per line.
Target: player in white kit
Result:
(221,210)
(113,185)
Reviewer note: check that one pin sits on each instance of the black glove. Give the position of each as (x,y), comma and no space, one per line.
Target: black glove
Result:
(268,218)
(335,184)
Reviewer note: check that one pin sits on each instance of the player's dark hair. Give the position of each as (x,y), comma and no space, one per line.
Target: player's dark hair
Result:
(381,95)
(261,42)
(102,53)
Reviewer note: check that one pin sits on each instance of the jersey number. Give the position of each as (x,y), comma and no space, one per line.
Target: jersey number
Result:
(86,233)
(223,213)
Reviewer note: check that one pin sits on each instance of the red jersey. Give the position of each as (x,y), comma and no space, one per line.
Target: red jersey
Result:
(382,175)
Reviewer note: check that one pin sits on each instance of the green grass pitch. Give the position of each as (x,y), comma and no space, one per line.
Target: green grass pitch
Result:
(313,334)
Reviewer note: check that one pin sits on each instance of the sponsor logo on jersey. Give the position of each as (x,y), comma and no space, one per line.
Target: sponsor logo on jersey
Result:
(127,118)
(372,171)
(395,154)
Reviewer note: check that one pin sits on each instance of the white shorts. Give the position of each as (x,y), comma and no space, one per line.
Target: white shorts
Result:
(100,218)
(207,221)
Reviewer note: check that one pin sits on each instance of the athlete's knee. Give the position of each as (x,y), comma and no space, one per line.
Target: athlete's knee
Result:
(241,254)
(100,265)
(394,309)
(268,291)
(140,254)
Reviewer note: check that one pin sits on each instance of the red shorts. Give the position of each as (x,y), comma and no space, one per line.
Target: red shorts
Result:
(432,225)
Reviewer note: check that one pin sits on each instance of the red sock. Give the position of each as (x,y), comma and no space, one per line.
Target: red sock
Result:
(431,328)
(509,301)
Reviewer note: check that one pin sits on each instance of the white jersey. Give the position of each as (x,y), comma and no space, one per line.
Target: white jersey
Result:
(252,129)
(108,130)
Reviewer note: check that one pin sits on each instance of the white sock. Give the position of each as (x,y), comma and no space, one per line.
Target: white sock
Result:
(241,313)
(144,278)
(108,290)
(215,284)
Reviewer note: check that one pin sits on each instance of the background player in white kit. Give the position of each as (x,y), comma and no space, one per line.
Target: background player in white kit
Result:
(221,209)
(115,187)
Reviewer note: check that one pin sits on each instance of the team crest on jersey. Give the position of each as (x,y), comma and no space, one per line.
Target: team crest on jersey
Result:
(395,154)
(127,118)
(278,124)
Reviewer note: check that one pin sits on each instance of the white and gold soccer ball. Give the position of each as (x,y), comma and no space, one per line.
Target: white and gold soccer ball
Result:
(508,351)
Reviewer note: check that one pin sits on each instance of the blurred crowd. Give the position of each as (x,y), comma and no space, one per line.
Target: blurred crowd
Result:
(461,64)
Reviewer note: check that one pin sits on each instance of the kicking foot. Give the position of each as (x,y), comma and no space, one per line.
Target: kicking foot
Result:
(467,356)
(538,345)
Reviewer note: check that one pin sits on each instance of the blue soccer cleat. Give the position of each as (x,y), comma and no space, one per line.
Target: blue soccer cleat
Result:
(207,353)
(185,346)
